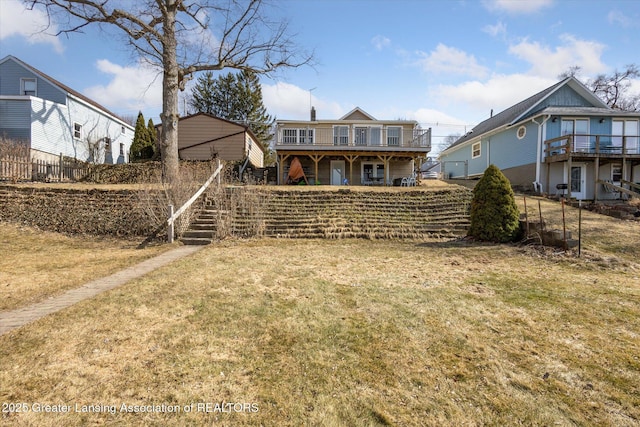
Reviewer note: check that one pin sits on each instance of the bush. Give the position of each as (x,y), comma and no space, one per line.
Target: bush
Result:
(494,213)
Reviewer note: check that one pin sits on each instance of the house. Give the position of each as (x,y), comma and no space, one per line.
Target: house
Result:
(53,119)
(203,136)
(356,149)
(562,140)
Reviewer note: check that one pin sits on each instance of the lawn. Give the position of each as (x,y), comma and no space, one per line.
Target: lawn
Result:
(346,332)
(36,264)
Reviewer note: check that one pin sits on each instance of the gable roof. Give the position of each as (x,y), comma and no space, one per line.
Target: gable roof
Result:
(357,114)
(531,105)
(64,87)
(245,128)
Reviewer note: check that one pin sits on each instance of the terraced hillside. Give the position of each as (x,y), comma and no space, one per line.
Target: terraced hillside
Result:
(333,214)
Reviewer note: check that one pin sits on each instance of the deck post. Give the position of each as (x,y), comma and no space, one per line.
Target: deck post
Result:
(596,178)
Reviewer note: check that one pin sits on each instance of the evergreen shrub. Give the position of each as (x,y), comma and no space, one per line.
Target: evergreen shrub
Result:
(494,213)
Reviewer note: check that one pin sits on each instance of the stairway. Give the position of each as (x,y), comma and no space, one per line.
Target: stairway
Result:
(204,229)
(319,213)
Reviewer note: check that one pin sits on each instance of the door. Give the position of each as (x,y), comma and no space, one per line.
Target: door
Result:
(578,173)
(337,172)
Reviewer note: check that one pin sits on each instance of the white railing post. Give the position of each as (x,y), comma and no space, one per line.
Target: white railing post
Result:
(170,225)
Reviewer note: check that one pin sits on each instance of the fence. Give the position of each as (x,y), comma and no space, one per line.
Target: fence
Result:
(17,168)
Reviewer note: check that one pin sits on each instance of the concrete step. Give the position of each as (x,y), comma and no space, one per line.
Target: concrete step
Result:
(195,241)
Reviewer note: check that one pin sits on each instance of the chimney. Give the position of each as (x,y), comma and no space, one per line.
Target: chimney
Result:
(313,114)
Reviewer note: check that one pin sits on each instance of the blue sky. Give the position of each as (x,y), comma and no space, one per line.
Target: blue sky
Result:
(444,63)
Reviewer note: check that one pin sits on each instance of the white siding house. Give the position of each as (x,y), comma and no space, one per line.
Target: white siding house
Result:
(54,119)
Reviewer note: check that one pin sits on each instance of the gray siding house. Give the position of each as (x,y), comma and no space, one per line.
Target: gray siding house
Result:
(53,119)
(562,140)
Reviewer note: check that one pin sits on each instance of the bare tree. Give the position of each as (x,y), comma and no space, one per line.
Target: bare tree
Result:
(183,37)
(612,88)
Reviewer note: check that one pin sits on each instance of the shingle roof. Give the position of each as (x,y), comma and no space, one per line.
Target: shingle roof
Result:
(527,107)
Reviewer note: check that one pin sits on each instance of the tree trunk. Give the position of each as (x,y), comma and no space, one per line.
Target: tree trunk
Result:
(170,87)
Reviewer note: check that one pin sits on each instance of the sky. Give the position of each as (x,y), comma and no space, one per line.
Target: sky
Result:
(444,63)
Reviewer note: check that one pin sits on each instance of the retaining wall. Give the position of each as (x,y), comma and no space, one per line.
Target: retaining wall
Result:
(92,211)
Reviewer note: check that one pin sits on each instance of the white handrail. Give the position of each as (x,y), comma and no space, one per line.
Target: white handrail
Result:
(189,202)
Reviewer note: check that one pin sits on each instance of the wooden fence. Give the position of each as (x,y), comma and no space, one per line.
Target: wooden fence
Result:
(16,169)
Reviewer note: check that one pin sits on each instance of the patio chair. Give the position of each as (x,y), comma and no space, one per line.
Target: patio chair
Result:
(404,182)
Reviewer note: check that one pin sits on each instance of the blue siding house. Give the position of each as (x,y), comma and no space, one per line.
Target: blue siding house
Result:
(53,119)
(562,140)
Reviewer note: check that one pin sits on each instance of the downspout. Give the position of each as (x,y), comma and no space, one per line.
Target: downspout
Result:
(537,184)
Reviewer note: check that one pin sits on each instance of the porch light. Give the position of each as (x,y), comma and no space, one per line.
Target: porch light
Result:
(555,119)
(602,120)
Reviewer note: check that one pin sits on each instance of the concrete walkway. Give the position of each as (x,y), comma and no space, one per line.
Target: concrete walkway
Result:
(13,319)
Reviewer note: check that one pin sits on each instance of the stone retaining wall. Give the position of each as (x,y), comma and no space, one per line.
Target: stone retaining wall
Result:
(98,212)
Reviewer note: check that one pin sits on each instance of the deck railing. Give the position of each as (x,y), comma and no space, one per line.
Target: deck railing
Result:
(592,144)
(354,136)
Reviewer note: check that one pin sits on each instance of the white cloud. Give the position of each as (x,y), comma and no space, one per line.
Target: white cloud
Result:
(498,30)
(497,94)
(131,89)
(548,62)
(517,6)
(290,102)
(447,60)
(380,42)
(16,20)
(615,17)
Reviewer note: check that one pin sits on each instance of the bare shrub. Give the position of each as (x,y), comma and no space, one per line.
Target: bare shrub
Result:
(155,196)
(14,160)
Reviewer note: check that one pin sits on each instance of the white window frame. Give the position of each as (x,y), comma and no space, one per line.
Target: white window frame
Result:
(522,128)
(305,136)
(580,140)
(23,89)
(375,167)
(632,145)
(338,135)
(77,130)
(476,150)
(391,138)
(289,136)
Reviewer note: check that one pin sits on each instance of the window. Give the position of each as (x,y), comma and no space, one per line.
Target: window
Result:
(297,136)
(28,87)
(579,128)
(123,130)
(522,131)
(107,144)
(616,173)
(341,135)
(289,136)
(476,150)
(629,130)
(360,134)
(393,135)
(121,149)
(77,131)
(305,136)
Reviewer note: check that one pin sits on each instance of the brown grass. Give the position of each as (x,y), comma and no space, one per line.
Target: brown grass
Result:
(351,332)
(36,264)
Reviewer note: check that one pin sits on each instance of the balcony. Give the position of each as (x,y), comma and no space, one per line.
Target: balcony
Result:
(591,146)
(354,138)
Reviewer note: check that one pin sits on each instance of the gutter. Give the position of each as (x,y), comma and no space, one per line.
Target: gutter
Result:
(537,184)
